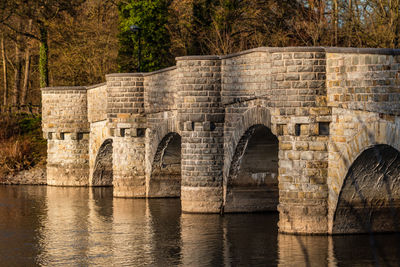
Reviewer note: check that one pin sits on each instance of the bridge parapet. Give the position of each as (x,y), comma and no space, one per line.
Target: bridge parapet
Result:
(97,102)
(64,110)
(161,90)
(364,79)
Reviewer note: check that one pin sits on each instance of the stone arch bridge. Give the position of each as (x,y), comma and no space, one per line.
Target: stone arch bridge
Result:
(312,132)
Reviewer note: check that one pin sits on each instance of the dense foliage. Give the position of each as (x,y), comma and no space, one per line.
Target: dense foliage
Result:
(151,17)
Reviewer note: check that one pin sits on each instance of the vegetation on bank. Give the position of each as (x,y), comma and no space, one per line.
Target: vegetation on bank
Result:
(21,143)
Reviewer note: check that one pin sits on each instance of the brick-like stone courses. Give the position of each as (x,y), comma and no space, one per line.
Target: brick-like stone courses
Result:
(298,82)
(245,77)
(64,110)
(97,103)
(125,95)
(351,133)
(126,120)
(68,160)
(161,92)
(161,98)
(298,95)
(294,97)
(65,125)
(202,116)
(363,91)
(369,82)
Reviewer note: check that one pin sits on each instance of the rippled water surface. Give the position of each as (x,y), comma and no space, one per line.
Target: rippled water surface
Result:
(53,226)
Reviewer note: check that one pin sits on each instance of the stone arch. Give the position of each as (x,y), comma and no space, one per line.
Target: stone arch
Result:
(369,200)
(252,116)
(103,166)
(154,136)
(165,174)
(252,183)
(233,132)
(254,122)
(370,131)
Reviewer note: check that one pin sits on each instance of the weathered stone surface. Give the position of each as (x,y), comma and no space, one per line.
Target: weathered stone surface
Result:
(189,131)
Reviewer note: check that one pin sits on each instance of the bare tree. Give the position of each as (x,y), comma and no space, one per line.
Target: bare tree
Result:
(4,61)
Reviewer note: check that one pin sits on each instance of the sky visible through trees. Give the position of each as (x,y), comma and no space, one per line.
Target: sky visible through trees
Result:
(76,42)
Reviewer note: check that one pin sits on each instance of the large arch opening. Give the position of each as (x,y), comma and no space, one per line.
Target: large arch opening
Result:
(369,200)
(252,183)
(165,179)
(103,166)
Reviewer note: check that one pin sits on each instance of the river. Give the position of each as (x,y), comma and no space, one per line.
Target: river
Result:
(54,226)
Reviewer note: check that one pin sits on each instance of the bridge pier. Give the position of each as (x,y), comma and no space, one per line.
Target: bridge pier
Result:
(66,129)
(202,118)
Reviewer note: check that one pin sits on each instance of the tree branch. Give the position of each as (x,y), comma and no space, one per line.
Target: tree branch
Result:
(21,32)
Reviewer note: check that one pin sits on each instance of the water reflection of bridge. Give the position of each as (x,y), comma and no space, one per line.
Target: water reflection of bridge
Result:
(81,226)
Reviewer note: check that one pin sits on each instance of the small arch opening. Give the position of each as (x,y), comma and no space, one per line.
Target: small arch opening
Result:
(103,167)
(165,180)
(252,184)
(369,200)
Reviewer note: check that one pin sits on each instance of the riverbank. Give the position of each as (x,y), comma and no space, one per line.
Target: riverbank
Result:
(23,150)
(34,176)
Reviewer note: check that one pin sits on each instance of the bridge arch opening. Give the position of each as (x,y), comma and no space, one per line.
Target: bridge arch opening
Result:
(103,166)
(369,200)
(252,184)
(165,179)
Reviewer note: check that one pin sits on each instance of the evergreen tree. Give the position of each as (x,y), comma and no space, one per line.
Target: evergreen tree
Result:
(152,18)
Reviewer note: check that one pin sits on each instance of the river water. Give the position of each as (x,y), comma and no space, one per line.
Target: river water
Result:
(51,226)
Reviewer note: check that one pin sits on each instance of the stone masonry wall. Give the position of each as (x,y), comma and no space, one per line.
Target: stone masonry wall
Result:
(363,90)
(161,91)
(246,76)
(66,127)
(64,110)
(202,116)
(126,121)
(369,82)
(97,102)
(292,101)
(299,98)
(161,100)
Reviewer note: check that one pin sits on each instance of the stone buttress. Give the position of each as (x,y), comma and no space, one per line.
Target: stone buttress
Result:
(202,117)
(66,128)
(126,121)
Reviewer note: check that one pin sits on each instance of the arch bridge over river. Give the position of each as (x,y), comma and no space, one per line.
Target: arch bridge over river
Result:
(312,132)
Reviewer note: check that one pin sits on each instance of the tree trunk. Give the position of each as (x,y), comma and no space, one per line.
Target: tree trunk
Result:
(24,91)
(5,80)
(18,69)
(335,21)
(43,57)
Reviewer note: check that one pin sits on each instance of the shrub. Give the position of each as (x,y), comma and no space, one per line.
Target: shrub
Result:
(21,143)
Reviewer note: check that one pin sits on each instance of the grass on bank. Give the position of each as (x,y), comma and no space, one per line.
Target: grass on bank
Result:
(21,143)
